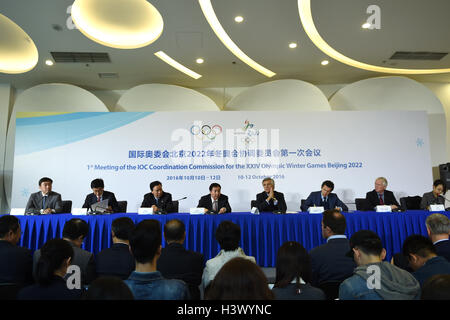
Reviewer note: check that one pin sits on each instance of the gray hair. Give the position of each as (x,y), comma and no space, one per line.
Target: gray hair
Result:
(269,179)
(385,183)
(438,224)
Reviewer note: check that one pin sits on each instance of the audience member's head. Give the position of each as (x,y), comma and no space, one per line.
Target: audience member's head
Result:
(239,279)
(56,256)
(156,189)
(145,242)
(75,230)
(327,187)
(108,288)
(293,263)
(45,185)
(418,249)
(121,229)
(366,247)
(228,234)
(10,229)
(333,223)
(436,287)
(438,226)
(174,231)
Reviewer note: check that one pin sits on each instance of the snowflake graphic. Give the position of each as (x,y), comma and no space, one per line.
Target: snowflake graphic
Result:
(25,192)
(419,142)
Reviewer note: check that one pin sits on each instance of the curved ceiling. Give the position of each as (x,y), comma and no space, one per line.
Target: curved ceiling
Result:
(264,35)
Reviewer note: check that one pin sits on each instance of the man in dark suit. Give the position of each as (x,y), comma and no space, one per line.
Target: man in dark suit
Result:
(438,229)
(117,261)
(270,200)
(214,202)
(381,196)
(157,199)
(44,201)
(324,198)
(15,261)
(423,259)
(99,194)
(75,231)
(176,262)
(329,262)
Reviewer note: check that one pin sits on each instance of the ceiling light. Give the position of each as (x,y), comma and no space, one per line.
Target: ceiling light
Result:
(366,25)
(49,62)
(324,62)
(211,17)
(199,60)
(238,19)
(164,57)
(304,9)
(18,53)
(292,45)
(122,24)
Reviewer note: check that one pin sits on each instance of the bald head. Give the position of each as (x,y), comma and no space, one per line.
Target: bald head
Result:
(174,231)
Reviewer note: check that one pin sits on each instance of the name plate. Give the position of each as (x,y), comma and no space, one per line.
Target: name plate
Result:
(79,211)
(437,207)
(316,209)
(197,210)
(383,209)
(145,210)
(17,211)
(255,210)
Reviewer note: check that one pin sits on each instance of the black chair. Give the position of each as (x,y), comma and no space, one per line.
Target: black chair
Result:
(122,206)
(410,203)
(67,206)
(253,203)
(331,289)
(302,202)
(9,291)
(361,204)
(176,205)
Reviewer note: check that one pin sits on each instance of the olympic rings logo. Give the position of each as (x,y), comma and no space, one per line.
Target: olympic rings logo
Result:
(206,131)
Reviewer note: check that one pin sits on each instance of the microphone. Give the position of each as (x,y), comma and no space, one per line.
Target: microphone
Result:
(181,199)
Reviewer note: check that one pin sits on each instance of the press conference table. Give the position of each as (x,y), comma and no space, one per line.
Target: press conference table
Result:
(261,235)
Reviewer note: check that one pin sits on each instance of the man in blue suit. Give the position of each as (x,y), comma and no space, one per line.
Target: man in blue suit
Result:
(324,198)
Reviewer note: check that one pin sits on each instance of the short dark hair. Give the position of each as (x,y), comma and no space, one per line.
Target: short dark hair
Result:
(367,241)
(335,220)
(214,185)
(122,228)
(108,288)
(154,184)
(97,183)
(436,287)
(174,230)
(53,254)
(228,234)
(293,262)
(75,228)
(329,184)
(8,223)
(439,182)
(239,279)
(419,245)
(145,240)
(45,179)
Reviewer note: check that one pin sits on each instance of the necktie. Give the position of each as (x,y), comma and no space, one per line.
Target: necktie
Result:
(381,199)
(98,199)
(157,201)
(44,202)
(215,206)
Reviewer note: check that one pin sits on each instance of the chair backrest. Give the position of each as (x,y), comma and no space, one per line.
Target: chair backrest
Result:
(122,206)
(176,205)
(67,206)
(8,291)
(361,204)
(302,202)
(331,289)
(410,203)
(253,203)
